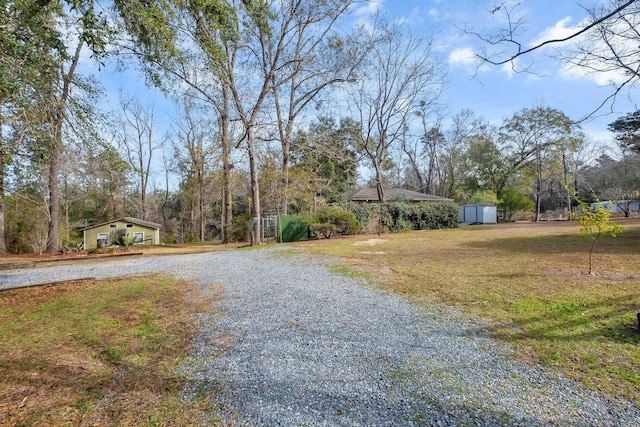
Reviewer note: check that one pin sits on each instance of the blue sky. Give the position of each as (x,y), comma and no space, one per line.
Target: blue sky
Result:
(496,92)
(492,92)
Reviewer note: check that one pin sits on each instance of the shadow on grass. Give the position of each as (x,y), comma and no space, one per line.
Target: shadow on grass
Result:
(626,243)
(126,393)
(608,320)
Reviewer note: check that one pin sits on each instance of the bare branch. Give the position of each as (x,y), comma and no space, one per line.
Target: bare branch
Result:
(521,52)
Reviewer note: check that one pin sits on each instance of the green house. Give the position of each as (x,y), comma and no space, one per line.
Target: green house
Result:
(109,233)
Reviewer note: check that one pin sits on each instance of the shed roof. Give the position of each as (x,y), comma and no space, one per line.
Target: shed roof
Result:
(371,195)
(132,220)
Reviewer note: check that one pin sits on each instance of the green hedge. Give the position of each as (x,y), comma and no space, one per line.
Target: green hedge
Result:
(402,216)
(330,220)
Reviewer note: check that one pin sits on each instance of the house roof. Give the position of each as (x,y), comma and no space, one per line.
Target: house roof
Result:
(126,219)
(371,195)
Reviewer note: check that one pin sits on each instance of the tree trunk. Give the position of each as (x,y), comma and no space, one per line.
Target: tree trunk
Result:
(53,239)
(379,188)
(58,117)
(3,158)
(285,177)
(593,245)
(201,206)
(538,185)
(227,198)
(67,226)
(256,234)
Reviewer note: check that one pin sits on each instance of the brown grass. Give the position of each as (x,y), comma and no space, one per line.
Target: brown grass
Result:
(98,354)
(529,282)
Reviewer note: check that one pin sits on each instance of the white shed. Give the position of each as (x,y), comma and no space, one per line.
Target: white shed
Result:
(478,214)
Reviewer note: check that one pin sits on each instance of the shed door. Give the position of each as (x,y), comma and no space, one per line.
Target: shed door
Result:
(470,214)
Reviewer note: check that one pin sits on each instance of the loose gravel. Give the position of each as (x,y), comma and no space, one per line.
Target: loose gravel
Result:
(291,343)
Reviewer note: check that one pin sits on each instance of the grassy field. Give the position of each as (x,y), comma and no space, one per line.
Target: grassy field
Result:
(529,283)
(97,354)
(105,353)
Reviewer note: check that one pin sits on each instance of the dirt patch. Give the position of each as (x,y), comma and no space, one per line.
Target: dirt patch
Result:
(370,242)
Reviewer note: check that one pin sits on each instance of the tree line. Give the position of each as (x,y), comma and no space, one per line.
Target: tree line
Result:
(281,103)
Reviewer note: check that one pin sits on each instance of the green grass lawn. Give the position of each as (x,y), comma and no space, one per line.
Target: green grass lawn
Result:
(97,353)
(105,353)
(529,283)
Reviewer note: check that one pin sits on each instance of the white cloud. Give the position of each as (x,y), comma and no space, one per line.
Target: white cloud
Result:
(365,12)
(508,69)
(558,31)
(369,8)
(464,57)
(602,78)
(433,13)
(570,49)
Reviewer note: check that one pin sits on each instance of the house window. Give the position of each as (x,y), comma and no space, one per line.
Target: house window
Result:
(129,225)
(138,238)
(113,225)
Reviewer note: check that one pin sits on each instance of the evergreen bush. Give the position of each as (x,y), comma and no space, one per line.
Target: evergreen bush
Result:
(398,215)
(330,220)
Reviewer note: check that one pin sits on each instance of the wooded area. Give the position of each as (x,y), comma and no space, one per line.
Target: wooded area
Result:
(283,103)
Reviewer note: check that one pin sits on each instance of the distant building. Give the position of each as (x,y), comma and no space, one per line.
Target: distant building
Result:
(478,214)
(106,233)
(617,205)
(369,195)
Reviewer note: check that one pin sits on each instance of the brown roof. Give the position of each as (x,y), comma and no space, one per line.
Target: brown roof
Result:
(371,195)
(127,219)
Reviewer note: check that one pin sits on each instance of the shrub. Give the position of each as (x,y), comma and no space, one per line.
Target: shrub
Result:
(240,232)
(330,220)
(420,216)
(122,238)
(399,215)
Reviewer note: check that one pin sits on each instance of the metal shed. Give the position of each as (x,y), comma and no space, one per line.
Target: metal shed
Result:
(478,214)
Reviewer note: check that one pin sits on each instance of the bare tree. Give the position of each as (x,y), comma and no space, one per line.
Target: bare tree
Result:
(139,142)
(246,51)
(421,149)
(194,150)
(318,59)
(457,139)
(402,71)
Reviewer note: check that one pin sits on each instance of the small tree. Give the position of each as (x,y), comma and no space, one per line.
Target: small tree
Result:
(512,201)
(596,222)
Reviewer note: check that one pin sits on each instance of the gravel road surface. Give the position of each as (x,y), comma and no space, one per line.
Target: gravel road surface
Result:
(294,344)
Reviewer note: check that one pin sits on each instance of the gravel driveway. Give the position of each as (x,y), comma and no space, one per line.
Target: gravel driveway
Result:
(294,344)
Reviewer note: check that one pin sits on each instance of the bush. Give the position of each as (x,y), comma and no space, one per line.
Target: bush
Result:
(398,216)
(330,220)
(367,214)
(122,238)
(240,232)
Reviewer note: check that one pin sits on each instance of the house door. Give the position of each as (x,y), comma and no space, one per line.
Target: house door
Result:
(103,240)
